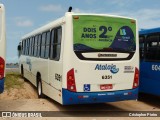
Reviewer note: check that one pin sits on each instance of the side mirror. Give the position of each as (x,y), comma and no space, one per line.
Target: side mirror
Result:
(19,48)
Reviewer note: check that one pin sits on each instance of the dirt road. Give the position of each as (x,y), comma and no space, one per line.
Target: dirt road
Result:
(47,104)
(25,99)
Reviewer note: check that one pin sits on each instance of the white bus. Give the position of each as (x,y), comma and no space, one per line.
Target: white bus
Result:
(2,47)
(83,58)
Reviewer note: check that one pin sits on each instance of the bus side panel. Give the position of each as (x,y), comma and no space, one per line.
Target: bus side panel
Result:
(2,85)
(27,63)
(149,77)
(68,33)
(54,85)
(55,75)
(2,43)
(51,92)
(33,65)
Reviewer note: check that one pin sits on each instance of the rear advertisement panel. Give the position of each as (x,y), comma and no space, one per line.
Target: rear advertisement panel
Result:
(101,32)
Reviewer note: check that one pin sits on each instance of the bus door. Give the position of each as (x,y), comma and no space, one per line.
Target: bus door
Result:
(55,63)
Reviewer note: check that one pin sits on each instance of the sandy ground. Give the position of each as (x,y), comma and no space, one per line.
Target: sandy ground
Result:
(12,70)
(26,92)
(25,99)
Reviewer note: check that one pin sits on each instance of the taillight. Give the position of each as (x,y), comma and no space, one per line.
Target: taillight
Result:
(136,78)
(2,66)
(71,81)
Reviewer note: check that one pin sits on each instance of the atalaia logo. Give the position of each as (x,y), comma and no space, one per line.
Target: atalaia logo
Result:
(112,68)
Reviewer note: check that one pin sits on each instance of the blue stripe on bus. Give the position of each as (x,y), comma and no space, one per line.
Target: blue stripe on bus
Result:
(2,85)
(149,78)
(98,97)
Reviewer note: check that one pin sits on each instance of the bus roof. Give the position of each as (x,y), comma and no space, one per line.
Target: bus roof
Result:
(62,19)
(149,31)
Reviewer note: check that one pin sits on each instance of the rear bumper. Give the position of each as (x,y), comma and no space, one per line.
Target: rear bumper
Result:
(2,85)
(98,97)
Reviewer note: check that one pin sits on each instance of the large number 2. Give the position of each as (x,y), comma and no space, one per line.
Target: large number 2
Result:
(104,29)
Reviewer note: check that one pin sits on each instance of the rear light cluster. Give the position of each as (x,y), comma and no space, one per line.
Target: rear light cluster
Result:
(71,85)
(136,78)
(2,66)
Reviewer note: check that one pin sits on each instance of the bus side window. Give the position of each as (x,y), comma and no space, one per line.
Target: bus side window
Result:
(158,56)
(30,46)
(35,46)
(141,45)
(152,48)
(56,43)
(24,47)
(51,45)
(28,42)
(43,45)
(33,42)
(39,45)
(47,45)
(24,41)
(24,51)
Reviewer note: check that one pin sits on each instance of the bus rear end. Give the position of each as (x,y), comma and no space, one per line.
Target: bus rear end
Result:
(102,63)
(2,47)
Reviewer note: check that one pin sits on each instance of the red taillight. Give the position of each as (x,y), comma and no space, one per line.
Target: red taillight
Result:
(71,81)
(136,78)
(2,66)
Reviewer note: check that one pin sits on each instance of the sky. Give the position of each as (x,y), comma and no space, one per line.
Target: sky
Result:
(23,16)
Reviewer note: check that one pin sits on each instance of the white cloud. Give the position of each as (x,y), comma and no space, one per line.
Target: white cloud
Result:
(51,8)
(25,23)
(147,18)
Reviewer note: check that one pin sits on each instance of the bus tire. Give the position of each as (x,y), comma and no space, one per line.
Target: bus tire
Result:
(22,74)
(39,89)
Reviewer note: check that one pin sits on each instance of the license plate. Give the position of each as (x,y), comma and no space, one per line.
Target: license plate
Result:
(106,87)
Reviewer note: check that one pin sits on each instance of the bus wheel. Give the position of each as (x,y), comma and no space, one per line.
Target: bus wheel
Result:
(39,89)
(22,74)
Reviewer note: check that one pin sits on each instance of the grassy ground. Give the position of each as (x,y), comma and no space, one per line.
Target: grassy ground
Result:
(17,88)
(13,80)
